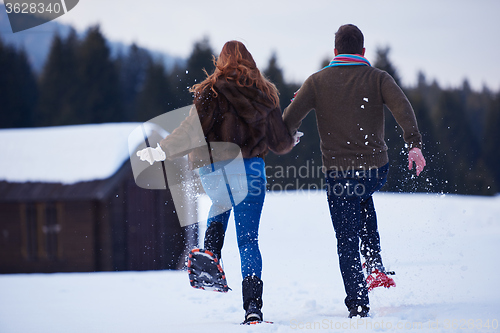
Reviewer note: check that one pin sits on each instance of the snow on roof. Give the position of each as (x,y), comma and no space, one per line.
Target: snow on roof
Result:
(66,154)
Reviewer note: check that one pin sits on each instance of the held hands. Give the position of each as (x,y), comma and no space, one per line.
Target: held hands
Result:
(296,137)
(415,155)
(152,154)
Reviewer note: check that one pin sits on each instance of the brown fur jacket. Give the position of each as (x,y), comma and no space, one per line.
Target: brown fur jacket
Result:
(243,116)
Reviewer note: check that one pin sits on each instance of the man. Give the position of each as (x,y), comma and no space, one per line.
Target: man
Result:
(349,97)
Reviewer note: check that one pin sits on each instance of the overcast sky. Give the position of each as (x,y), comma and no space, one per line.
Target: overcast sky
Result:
(448,40)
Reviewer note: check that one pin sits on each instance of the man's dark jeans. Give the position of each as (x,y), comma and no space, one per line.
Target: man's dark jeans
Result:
(354,219)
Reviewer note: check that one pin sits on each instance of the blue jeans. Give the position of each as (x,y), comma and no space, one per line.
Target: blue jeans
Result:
(247,211)
(354,219)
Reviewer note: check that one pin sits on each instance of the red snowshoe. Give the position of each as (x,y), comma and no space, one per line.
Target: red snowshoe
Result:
(205,271)
(379,279)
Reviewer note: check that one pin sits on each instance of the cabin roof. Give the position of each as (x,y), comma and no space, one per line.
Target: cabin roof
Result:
(70,162)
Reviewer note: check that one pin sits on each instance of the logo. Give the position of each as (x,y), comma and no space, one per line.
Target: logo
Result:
(211,170)
(25,15)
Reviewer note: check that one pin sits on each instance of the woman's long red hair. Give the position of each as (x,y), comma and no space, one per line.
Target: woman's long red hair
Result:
(235,63)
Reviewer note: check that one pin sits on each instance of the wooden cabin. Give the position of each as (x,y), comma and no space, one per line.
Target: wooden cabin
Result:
(80,224)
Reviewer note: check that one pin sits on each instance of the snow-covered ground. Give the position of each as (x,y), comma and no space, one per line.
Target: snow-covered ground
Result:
(443,248)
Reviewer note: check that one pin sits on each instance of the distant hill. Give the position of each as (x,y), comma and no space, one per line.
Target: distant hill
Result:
(37,41)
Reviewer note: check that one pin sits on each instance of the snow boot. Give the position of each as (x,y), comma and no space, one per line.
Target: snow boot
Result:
(373,263)
(214,238)
(379,279)
(252,288)
(359,311)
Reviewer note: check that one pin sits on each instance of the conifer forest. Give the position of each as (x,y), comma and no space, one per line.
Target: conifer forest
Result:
(82,83)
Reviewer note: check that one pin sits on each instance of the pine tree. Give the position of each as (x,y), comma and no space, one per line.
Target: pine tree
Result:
(490,143)
(384,63)
(18,89)
(452,123)
(59,84)
(399,175)
(153,99)
(200,62)
(274,73)
(133,68)
(99,94)
(434,177)
(456,138)
(182,78)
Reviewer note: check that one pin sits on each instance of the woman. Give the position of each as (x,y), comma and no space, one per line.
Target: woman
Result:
(237,107)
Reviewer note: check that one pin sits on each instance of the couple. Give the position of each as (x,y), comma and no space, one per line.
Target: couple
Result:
(237,104)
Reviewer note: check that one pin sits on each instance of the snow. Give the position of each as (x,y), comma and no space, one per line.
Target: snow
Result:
(65,154)
(443,248)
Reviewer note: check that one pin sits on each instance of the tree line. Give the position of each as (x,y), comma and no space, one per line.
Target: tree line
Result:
(82,83)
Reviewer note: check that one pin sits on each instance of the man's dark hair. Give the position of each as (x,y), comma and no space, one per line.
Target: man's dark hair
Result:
(349,40)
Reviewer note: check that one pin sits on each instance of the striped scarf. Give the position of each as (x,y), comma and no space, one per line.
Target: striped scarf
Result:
(345,60)
(349,60)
